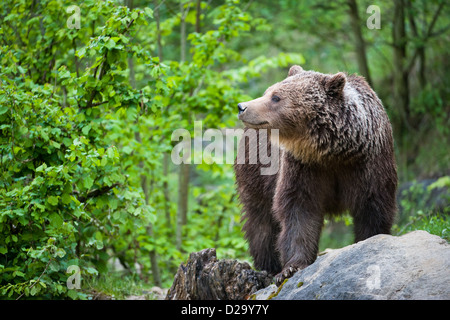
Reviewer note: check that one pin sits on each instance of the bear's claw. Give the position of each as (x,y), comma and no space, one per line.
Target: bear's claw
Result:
(285,274)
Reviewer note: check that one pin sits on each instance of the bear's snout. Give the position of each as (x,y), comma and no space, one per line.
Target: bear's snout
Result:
(253,113)
(241,108)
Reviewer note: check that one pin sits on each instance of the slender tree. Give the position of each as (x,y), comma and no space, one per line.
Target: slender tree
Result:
(144,181)
(360,45)
(400,76)
(184,168)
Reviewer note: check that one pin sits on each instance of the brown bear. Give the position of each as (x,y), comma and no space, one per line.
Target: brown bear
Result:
(336,154)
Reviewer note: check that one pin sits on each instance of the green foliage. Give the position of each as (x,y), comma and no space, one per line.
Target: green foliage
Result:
(85,118)
(419,209)
(116,286)
(65,197)
(442,182)
(437,224)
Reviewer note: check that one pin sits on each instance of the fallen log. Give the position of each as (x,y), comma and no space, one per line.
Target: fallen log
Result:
(203,277)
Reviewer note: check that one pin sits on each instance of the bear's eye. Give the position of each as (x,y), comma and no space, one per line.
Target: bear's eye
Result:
(275,98)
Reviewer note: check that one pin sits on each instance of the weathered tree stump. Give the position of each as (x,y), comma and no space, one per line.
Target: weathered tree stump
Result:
(206,278)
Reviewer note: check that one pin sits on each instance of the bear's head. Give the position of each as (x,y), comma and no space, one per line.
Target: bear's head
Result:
(291,105)
(287,105)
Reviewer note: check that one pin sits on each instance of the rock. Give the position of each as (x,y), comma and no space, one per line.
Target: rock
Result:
(98,295)
(158,293)
(134,297)
(413,266)
(155,293)
(265,294)
(203,277)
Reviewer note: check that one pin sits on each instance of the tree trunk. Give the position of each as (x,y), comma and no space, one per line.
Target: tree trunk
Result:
(401,85)
(422,39)
(182,32)
(144,183)
(166,157)
(422,67)
(158,29)
(183,181)
(198,15)
(183,193)
(153,257)
(420,50)
(360,45)
(166,160)
(206,278)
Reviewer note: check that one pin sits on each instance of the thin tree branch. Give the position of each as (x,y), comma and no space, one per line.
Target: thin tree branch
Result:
(96,192)
(48,263)
(425,37)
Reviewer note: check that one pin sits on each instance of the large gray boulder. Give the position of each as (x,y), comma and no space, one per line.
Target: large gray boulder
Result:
(413,266)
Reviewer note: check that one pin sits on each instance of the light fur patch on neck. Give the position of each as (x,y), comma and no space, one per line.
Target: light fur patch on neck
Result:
(302,149)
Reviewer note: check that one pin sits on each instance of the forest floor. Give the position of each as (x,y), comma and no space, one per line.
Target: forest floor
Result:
(154,293)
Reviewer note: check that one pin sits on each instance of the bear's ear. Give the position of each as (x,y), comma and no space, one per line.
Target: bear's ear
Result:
(294,70)
(335,85)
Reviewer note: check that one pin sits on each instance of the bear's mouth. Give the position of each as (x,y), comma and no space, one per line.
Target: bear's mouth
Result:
(255,124)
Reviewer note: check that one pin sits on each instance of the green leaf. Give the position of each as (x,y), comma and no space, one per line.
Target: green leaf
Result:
(110,44)
(33,290)
(110,152)
(72,294)
(53,200)
(88,182)
(60,252)
(86,129)
(3,109)
(55,144)
(149,12)
(99,244)
(84,140)
(98,236)
(91,271)
(41,168)
(124,39)
(66,198)
(81,52)
(18,273)
(44,135)
(55,220)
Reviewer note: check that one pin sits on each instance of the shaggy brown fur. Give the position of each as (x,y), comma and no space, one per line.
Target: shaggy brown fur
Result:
(336,154)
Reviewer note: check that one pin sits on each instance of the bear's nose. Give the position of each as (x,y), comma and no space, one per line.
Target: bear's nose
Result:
(241,108)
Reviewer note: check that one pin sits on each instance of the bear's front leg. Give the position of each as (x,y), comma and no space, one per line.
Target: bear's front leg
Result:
(261,234)
(298,242)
